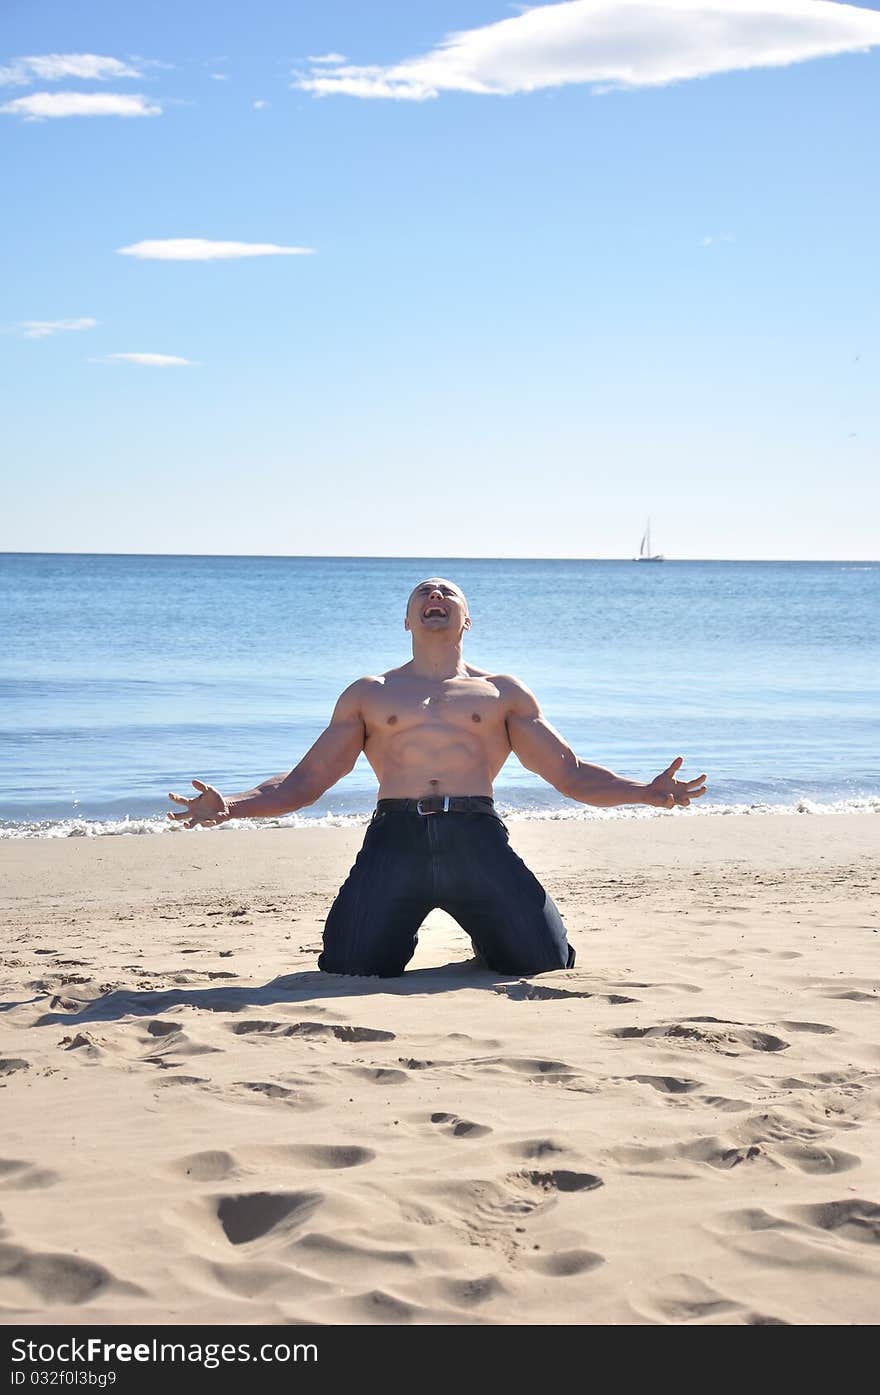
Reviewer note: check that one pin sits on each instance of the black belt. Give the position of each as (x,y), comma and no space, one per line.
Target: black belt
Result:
(439,804)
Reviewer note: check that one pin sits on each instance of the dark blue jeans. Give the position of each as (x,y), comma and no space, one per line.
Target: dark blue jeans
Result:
(461,863)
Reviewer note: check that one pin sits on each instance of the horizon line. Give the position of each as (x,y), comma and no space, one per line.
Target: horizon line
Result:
(423,557)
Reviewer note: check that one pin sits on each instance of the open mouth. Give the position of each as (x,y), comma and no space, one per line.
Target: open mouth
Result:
(435,610)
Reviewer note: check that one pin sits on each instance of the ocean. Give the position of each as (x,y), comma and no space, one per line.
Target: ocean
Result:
(123,677)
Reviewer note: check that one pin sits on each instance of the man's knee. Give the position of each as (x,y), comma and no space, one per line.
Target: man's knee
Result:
(358,968)
(528,965)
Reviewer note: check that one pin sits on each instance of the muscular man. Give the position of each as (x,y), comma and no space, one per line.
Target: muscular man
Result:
(436,732)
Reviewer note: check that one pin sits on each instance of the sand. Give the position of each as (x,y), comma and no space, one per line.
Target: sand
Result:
(199,1127)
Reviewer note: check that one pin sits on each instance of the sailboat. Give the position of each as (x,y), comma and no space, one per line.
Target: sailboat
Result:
(645,553)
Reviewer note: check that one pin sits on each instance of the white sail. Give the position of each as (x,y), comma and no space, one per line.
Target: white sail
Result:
(645,553)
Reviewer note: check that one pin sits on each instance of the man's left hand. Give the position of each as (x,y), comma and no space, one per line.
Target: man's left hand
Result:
(665,792)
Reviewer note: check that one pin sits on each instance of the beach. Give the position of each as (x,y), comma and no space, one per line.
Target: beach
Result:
(198,1127)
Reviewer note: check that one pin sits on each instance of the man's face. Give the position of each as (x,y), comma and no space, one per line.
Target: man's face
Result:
(437,604)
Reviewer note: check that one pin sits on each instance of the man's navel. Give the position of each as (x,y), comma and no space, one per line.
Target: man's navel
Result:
(475,717)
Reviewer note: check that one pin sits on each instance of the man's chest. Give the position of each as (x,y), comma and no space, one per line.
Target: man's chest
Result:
(475,707)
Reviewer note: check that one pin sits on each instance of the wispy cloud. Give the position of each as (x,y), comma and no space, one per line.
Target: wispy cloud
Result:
(713,239)
(53,67)
(42,106)
(219,77)
(200,249)
(326,58)
(43,329)
(609,44)
(148,360)
(260,105)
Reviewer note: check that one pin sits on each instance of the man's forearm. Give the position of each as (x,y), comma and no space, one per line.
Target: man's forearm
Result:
(593,784)
(281,794)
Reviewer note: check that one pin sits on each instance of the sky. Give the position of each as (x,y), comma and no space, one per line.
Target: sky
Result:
(447,279)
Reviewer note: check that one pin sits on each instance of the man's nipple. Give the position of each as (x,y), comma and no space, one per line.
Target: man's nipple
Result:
(392,719)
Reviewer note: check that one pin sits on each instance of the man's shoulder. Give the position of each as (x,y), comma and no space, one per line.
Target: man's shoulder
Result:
(365,685)
(506,683)
(515,698)
(370,685)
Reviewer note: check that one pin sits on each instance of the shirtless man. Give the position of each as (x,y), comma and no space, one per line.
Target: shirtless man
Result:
(437,731)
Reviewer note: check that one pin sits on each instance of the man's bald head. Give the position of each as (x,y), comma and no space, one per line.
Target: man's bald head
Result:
(437,605)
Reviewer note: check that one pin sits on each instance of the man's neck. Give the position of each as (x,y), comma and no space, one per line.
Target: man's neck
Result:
(442,660)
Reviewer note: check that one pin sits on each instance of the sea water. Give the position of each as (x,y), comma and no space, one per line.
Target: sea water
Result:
(122,677)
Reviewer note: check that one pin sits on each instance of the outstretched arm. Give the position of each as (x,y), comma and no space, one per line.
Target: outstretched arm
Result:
(332,756)
(540,748)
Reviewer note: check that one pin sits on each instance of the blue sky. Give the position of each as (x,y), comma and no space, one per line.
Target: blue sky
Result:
(603,261)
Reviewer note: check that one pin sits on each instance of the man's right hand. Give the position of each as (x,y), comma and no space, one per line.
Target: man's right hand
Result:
(207,808)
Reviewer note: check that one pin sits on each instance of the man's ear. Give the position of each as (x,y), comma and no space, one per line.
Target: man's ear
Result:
(406,622)
(467,622)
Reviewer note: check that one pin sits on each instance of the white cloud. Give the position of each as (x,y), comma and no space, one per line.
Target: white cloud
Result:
(148,360)
(200,249)
(327,58)
(42,329)
(51,67)
(714,238)
(41,105)
(611,44)
(219,77)
(261,105)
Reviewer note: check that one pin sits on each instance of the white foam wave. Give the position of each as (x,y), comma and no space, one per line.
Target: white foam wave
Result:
(129,827)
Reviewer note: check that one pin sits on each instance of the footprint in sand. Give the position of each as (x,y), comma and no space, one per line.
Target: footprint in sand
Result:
(213,1165)
(813,1159)
(379,1075)
(532,1148)
(532,1066)
(459,1128)
(281,1094)
(466,1293)
(748,1219)
(317,1250)
(681,1298)
(725,1103)
(318,1155)
(559,1180)
(564,1264)
(308,1029)
(83,1043)
(377,1306)
(727,1043)
(818,1027)
(218,1165)
(851,1219)
(20,1175)
(158,1028)
(55,1278)
(525,992)
(10,1064)
(184,1080)
(252,1215)
(727,1154)
(666,1084)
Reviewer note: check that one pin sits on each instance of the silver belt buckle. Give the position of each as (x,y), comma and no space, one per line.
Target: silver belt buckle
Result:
(426,812)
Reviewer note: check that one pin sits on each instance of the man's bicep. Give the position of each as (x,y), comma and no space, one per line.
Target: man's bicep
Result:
(540,747)
(343,739)
(339,745)
(536,744)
